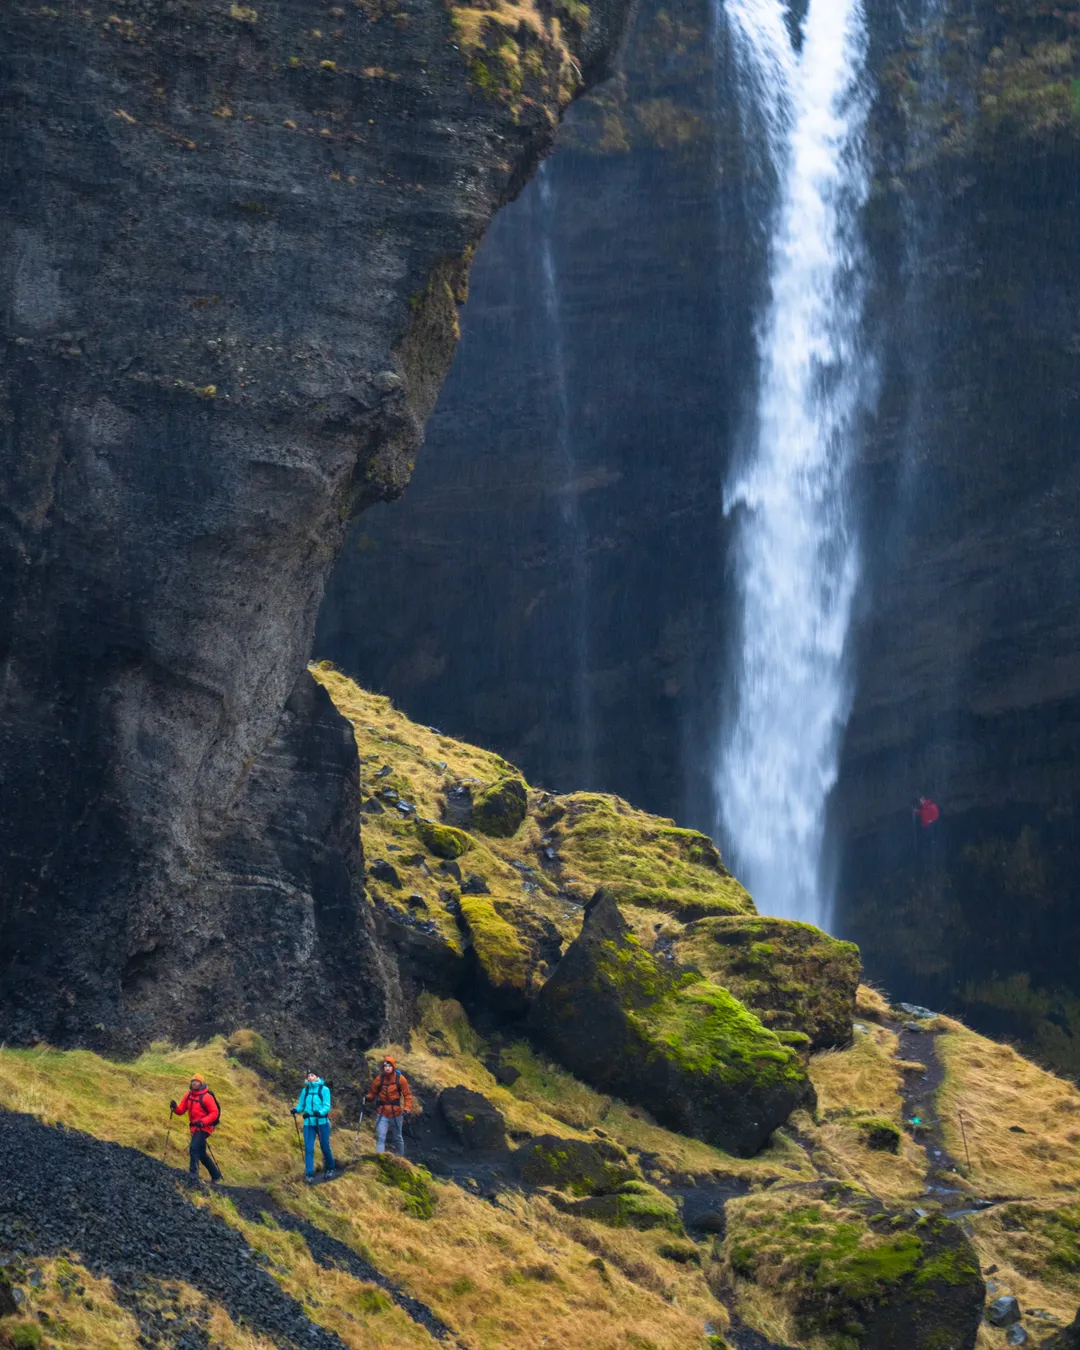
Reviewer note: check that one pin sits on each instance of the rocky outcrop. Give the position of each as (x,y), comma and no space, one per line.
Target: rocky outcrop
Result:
(798,980)
(233,245)
(665,1038)
(844,1266)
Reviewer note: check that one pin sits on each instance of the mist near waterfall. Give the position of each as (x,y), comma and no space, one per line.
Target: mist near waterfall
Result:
(804,107)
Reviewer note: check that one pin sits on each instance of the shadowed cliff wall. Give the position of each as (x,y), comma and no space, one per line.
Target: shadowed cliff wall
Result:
(231,252)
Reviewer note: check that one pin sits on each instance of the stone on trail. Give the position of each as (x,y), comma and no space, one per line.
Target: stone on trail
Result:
(1017,1335)
(665,1038)
(916,1010)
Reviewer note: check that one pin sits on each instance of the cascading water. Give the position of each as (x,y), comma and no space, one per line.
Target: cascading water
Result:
(570,509)
(797,554)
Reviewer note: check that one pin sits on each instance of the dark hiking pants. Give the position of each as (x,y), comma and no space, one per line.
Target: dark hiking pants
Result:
(197,1154)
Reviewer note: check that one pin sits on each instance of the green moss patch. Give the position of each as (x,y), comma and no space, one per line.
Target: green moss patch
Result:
(635,1204)
(643,860)
(443,840)
(794,976)
(414,1183)
(572,1165)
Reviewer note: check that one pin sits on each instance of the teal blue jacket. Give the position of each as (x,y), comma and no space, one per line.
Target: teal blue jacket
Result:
(314,1102)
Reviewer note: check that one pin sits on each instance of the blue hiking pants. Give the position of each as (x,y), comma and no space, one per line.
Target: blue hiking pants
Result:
(323,1134)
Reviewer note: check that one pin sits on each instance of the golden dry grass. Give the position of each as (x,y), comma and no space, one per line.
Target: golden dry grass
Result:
(861,1080)
(1022,1123)
(1022,1269)
(871,1005)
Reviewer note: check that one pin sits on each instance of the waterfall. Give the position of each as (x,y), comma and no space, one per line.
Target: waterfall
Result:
(797,557)
(568,488)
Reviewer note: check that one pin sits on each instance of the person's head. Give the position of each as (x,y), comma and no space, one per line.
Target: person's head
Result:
(198,1082)
(312,1077)
(388,1065)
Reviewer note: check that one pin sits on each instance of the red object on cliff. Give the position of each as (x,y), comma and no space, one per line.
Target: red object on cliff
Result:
(926,812)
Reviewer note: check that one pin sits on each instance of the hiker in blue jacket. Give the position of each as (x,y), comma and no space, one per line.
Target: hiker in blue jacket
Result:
(314,1105)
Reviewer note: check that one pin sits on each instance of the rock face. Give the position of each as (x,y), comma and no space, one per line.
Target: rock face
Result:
(795,977)
(683,1048)
(233,245)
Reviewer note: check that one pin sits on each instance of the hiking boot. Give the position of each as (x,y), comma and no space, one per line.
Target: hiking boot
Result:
(332,1172)
(310,1181)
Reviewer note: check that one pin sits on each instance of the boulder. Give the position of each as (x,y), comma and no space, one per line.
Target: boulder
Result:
(513,947)
(665,1038)
(880,1135)
(500,809)
(847,1271)
(8,1305)
(1004,1311)
(472,1119)
(443,840)
(572,1165)
(794,976)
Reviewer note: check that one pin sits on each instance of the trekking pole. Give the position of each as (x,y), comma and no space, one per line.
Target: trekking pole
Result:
(213,1159)
(360,1126)
(167,1133)
(963,1132)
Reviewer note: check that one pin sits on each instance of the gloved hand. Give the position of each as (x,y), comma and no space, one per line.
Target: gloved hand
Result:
(293,1111)
(172,1108)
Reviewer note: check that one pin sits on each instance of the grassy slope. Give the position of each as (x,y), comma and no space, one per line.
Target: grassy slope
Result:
(519,1272)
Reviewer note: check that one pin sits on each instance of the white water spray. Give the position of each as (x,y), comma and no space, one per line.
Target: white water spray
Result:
(797,561)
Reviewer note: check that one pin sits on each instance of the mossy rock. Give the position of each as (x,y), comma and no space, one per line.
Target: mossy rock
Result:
(414,1183)
(572,1165)
(880,1135)
(443,840)
(472,1119)
(500,809)
(853,1275)
(794,976)
(513,948)
(635,1204)
(642,860)
(665,1038)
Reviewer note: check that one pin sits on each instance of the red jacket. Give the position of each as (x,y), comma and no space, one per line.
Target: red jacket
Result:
(390,1094)
(203,1108)
(927,812)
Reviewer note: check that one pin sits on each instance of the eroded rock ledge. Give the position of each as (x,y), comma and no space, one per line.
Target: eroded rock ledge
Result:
(232,247)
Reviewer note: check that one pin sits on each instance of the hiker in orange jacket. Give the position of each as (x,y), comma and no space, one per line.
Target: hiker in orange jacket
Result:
(201,1106)
(393,1102)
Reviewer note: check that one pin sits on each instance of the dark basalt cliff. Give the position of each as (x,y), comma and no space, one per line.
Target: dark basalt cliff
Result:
(233,242)
(555,583)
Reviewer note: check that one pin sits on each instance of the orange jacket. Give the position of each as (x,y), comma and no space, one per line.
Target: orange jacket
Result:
(204,1113)
(390,1093)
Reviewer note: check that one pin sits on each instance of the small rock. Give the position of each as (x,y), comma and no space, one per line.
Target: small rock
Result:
(506,1075)
(386,381)
(381,870)
(450,869)
(913,1026)
(916,1010)
(1017,1129)
(474,885)
(1003,1312)
(1017,1335)
(372,807)
(384,772)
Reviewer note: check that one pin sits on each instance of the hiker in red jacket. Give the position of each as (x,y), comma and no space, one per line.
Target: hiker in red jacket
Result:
(392,1097)
(201,1106)
(926,812)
